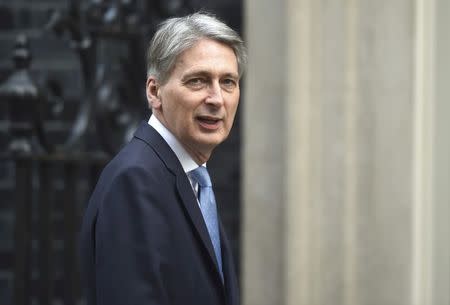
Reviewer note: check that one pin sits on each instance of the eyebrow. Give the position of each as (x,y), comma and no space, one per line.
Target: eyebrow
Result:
(207,74)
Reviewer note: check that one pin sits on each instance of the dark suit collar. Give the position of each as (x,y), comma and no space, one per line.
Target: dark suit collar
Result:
(187,162)
(149,135)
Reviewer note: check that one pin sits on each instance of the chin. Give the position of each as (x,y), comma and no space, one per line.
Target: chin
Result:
(211,142)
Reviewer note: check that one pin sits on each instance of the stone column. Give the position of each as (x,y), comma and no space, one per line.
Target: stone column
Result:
(338,161)
(264,150)
(441,165)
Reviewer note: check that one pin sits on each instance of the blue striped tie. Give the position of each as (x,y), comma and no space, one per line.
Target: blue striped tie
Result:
(208,208)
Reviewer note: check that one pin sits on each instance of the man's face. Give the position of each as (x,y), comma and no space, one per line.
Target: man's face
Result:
(199,100)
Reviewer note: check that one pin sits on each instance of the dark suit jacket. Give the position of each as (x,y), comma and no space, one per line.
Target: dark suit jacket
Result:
(143,238)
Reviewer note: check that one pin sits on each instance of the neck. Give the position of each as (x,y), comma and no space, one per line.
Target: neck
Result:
(200,155)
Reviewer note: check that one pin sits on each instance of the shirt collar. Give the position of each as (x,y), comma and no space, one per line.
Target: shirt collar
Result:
(185,159)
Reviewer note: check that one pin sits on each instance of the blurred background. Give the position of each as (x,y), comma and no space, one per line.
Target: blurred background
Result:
(333,185)
(346,153)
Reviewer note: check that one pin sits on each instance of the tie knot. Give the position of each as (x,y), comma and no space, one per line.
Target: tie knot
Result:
(201,176)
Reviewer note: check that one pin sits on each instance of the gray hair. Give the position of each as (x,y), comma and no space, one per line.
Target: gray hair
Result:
(176,35)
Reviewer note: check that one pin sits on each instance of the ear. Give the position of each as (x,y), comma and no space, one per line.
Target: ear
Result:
(152,90)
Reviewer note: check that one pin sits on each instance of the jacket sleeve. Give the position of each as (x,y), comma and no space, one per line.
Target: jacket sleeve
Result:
(131,240)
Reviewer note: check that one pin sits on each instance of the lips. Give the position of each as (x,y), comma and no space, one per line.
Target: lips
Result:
(209,122)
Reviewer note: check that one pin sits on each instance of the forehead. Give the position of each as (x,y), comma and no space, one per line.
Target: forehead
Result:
(207,55)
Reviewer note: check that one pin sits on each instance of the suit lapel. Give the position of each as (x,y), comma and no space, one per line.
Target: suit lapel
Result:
(149,135)
(191,206)
(231,285)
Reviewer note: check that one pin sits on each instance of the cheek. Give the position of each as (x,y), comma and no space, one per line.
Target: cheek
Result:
(232,109)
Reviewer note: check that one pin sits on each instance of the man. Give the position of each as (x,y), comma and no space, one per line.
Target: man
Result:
(150,234)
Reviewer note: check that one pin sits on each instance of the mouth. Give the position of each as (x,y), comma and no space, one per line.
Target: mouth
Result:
(209,122)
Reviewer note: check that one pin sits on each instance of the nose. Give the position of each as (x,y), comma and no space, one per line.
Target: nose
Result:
(215,96)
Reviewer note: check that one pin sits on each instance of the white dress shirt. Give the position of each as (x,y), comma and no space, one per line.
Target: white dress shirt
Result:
(185,159)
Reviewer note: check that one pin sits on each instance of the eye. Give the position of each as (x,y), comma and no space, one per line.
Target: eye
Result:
(229,83)
(196,82)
